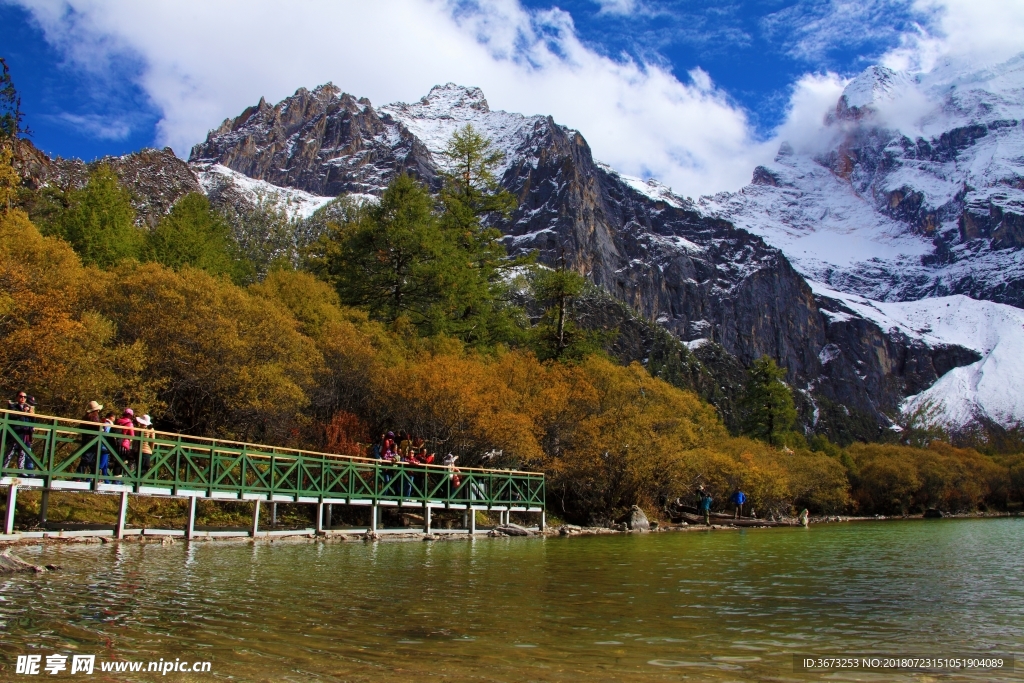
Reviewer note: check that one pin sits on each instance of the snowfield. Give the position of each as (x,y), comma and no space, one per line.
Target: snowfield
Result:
(951,140)
(297,203)
(991,388)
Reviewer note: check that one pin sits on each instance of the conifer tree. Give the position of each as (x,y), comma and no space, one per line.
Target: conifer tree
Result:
(767,406)
(10,130)
(193,234)
(388,259)
(100,221)
(558,335)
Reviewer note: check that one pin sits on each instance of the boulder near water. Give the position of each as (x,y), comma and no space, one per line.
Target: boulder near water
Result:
(638,520)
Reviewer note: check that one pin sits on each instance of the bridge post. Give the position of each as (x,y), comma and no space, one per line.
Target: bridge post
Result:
(330,516)
(44,506)
(122,515)
(273,514)
(191,528)
(465,520)
(373,518)
(255,518)
(426,519)
(542,520)
(472,521)
(320,517)
(12,499)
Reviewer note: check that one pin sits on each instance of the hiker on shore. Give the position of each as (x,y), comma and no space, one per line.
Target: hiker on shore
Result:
(16,453)
(705,505)
(148,434)
(738,499)
(87,462)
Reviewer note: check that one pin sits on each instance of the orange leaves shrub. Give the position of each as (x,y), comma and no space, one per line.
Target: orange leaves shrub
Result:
(892,479)
(51,344)
(347,434)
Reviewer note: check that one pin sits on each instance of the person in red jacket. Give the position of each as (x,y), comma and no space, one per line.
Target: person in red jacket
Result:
(126,426)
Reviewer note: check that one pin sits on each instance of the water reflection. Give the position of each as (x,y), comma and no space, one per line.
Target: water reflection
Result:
(709,606)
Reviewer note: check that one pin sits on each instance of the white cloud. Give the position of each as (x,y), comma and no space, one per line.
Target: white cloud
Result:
(97,126)
(617,6)
(205,61)
(201,62)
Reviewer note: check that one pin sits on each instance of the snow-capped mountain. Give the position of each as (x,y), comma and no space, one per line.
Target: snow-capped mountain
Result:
(695,274)
(682,265)
(914,193)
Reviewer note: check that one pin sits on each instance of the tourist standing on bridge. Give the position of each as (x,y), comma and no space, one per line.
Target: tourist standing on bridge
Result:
(104,465)
(148,434)
(126,426)
(16,453)
(87,463)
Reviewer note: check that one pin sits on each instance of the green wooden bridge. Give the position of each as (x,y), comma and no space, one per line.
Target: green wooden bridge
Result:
(194,467)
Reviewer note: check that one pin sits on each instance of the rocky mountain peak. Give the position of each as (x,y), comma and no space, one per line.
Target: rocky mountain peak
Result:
(442,100)
(874,85)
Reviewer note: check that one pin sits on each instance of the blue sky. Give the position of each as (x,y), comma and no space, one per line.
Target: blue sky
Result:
(692,92)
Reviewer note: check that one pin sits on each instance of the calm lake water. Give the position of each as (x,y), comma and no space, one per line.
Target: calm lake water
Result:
(723,605)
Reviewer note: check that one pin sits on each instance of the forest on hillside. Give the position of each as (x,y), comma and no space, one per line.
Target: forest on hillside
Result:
(407,314)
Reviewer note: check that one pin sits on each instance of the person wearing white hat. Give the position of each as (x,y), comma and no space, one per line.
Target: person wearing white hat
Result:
(148,434)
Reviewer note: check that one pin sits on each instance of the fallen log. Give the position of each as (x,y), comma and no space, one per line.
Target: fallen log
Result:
(12,564)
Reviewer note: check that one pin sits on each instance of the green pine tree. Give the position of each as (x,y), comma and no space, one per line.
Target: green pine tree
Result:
(193,234)
(558,335)
(99,221)
(479,308)
(767,406)
(388,258)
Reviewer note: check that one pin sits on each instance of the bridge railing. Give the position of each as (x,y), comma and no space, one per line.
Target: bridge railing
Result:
(185,465)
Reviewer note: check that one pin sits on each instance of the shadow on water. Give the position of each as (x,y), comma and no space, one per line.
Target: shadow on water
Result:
(699,606)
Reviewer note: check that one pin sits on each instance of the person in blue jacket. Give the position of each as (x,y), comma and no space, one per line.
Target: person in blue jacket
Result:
(738,499)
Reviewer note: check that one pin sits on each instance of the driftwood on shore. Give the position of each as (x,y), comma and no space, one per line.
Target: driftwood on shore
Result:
(726,520)
(12,564)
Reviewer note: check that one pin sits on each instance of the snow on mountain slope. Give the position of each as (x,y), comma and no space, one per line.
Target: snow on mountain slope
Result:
(992,388)
(920,191)
(449,107)
(297,203)
(915,198)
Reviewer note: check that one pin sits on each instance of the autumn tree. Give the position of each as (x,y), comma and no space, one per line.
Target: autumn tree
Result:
(767,406)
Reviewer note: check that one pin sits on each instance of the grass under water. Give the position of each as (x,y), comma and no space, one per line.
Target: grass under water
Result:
(731,606)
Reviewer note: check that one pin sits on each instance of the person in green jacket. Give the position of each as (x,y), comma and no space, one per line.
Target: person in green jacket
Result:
(705,506)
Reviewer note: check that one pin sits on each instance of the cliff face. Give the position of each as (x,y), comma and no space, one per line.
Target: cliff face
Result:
(698,276)
(155,177)
(324,142)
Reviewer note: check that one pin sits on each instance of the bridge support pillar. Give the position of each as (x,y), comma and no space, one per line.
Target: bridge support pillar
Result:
(122,516)
(426,519)
(44,506)
(465,520)
(472,521)
(542,521)
(273,514)
(12,499)
(255,518)
(374,512)
(320,517)
(330,516)
(191,528)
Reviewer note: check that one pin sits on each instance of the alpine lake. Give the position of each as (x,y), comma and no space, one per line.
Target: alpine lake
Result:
(714,606)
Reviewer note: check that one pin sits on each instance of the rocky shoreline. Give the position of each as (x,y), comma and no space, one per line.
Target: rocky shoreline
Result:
(163,537)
